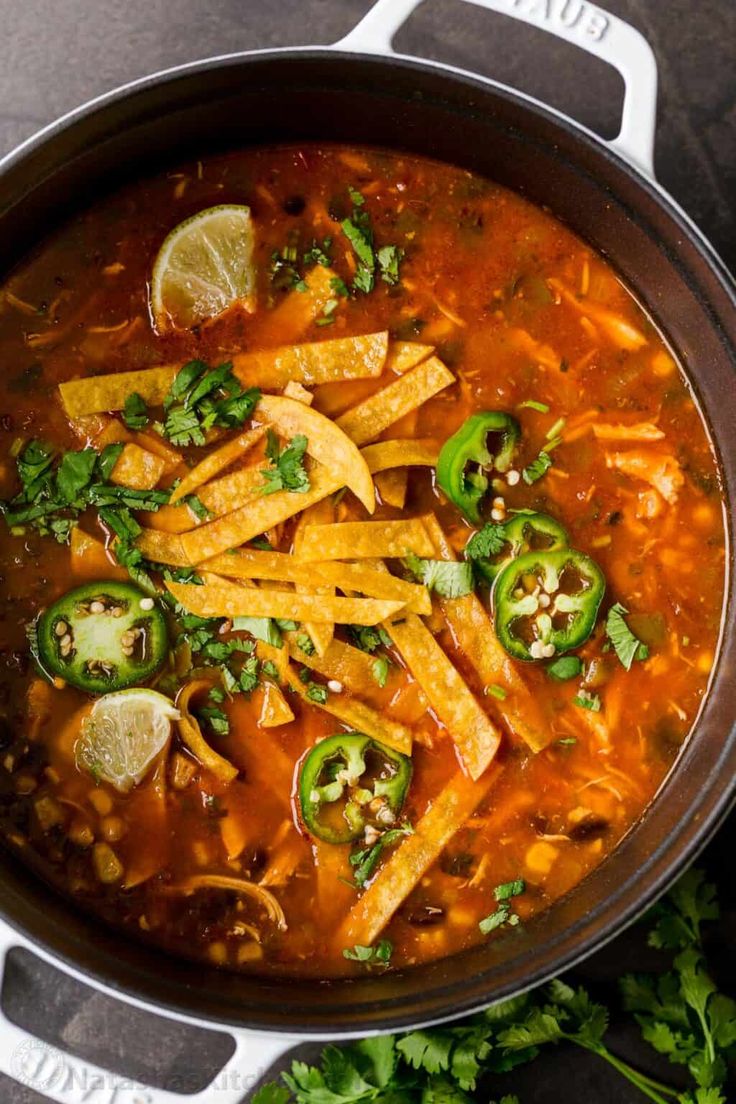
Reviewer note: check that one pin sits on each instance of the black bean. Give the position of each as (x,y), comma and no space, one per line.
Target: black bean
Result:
(294,205)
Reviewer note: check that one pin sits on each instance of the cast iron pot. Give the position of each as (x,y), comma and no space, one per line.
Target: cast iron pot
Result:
(361,92)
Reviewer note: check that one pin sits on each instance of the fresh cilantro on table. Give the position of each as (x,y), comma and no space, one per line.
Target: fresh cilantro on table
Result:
(680,1012)
(626,646)
(287,471)
(447,578)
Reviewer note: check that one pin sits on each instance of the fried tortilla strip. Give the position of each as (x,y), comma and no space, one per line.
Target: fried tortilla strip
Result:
(322,513)
(360,540)
(358,715)
(340,358)
(217,461)
(192,736)
(400,453)
(137,468)
(471,627)
(113,432)
(275,710)
(253,563)
(411,859)
(298,309)
(334,398)
(343,662)
(367,420)
(89,558)
(325,442)
(171,519)
(96,394)
(472,731)
(255,518)
(160,547)
(392,486)
(223,599)
(642,431)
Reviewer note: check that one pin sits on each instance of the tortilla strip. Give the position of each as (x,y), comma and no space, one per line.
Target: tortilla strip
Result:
(325,442)
(160,547)
(192,736)
(89,558)
(320,513)
(392,486)
(474,734)
(223,599)
(642,431)
(252,563)
(269,653)
(360,540)
(343,662)
(367,420)
(171,519)
(340,358)
(334,398)
(401,453)
(137,468)
(319,362)
(298,308)
(407,863)
(114,431)
(275,710)
(358,716)
(216,461)
(96,394)
(471,627)
(256,517)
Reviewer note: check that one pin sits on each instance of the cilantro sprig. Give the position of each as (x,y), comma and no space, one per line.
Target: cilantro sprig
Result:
(200,398)
(447,578)
(680,1012)
(287,471)
(358,229)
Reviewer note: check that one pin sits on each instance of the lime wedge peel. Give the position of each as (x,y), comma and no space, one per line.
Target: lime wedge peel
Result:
(123,735)
(204,266)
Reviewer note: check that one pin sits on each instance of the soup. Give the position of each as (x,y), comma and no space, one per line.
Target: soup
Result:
(363,561)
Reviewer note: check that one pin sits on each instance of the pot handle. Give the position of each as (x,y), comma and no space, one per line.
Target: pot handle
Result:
(582,24)
(69,1080)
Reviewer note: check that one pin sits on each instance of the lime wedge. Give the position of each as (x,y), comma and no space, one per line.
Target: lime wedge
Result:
(123,735)
(204,266)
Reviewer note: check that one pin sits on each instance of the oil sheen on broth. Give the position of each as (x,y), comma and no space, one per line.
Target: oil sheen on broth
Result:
(525,771)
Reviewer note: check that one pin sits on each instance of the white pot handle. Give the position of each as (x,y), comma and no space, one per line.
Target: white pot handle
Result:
(69,1080)
(581,23)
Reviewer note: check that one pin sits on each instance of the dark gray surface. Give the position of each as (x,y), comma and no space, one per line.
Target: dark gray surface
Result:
(58,53)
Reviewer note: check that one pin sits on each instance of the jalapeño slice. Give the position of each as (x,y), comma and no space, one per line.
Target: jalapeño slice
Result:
(348,782)
(102,637)
(525,532)
(484,442)
(546,603)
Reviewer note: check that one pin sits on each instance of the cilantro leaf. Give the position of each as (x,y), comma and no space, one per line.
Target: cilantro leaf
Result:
(488,541)
(375,955)
(182,427)
(135,411)
(585,700)
(379,670)
(448,578)
(368,637)
(262,628)
(389,258)
(287,472)
(74,473)
(534,471)
(366,859)
(626,646)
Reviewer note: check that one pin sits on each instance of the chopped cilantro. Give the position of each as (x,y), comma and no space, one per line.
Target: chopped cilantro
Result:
(215,718)
(135,412)
(366,859)
(488,541)
(503,914)
(534,471)
(262,628)
(626,646)
(270,670)
(389,258)
(287,472)
(566,667)
(368,637)
(304,642)
(448,578)
(378,955)
(585,700)
(316,693)
(379,670)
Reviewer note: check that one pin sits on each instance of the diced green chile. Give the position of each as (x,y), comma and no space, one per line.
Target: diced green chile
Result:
(350,781)
(102,649)
(466,458)
(547,600)
(532,532)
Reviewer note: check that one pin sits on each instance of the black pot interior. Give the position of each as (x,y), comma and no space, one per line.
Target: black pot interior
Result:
(323,96)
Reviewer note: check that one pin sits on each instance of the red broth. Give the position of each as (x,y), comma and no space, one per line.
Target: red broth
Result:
(521,311)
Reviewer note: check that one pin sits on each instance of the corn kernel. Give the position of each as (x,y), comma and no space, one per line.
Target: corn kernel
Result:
(540,857)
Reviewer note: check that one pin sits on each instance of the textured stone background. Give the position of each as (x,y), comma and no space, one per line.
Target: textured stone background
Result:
(58,53)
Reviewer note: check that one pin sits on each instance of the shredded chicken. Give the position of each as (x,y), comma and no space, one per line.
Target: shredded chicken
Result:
(659,469)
